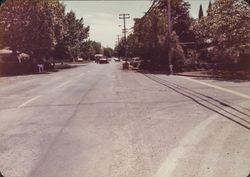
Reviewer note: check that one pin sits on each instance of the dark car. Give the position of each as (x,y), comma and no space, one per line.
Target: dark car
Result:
(103,60)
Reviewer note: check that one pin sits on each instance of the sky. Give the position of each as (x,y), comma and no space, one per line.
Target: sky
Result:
(103,15)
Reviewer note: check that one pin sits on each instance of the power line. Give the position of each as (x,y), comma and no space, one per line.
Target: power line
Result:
(124,17)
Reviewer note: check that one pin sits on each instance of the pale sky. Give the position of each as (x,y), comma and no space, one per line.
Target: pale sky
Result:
(103,16)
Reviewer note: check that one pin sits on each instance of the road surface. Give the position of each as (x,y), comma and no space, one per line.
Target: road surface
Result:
(100,121)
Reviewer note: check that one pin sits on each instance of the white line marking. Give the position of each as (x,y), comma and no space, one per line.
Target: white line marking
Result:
(27,102)
(185,145)
(219,88)
(63,84)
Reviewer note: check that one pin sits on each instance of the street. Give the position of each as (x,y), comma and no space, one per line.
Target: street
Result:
(100,121)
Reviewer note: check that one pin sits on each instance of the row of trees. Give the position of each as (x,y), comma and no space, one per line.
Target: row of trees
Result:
(43,29)
(149,39)
(225,30)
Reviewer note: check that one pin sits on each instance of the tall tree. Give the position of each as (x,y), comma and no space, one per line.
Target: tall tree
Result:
(108,52)
(75,35)
(41,29)
(209,7)
(200,12)
(227,27)
(149,39)
(248,1)
(29,25)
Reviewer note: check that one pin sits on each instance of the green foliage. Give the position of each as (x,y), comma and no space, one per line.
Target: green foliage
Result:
(248,1)
(149,39)
(226,30)
(120,48)
(227,27)
(42,29)
(177,52)
(201,12)
(89,49)
(108,52)
(210,5)
(74,36)
(31,28)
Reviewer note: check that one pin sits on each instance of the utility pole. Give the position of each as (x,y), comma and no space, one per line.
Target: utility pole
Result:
(118,38)
(169,38)
(124,17)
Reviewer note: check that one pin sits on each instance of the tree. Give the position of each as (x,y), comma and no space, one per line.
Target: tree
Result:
(209,7)
(227,27)
(108,52)
(89,49)
(248,1)
(97,46)
(150,36)
(75,35)
(30,26)
(200,12)
(42,29)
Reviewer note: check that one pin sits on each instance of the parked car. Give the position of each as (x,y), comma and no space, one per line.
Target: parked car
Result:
(135,61)
(79,59)
(116,59)
(103,60)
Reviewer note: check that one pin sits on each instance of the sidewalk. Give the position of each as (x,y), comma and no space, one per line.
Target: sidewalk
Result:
(222,75)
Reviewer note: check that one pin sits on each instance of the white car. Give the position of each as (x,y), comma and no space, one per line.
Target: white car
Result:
(135,61)
(116,59)
(79,59)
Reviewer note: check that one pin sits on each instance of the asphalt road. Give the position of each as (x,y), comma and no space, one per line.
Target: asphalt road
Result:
(100,121)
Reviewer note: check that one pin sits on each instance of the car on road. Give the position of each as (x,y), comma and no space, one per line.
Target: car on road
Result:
(135,61)
(79,60)
(116,59)
(103,60)
(97,57)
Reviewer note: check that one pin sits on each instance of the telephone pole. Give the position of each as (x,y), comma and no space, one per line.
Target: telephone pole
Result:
(169,39)
(124,17)
(118,38)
